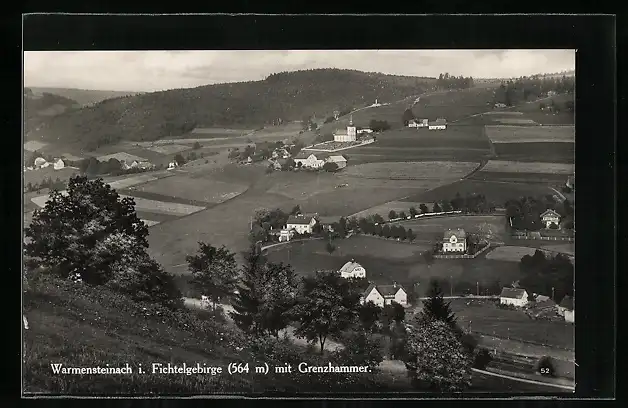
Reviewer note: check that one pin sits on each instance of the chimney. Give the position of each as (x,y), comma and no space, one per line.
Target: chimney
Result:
(352,260)
(395,285)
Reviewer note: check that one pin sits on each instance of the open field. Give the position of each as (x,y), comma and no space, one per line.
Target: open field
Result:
(456,143)
(509,253)
(132,181)
(524,178)
(121,156)
(454,105)
(504,114)
(489,226)
(531,134)
(559,152)
(37,176)
(386,264)
(487,318)
(34,145)
(411,170)
(503,166)
(198,189)
(221,131)
(498,193)
(514,121)
(569,249)
(168,149)
(143,204)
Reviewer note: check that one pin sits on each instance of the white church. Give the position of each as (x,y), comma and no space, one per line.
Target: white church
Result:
(349,136)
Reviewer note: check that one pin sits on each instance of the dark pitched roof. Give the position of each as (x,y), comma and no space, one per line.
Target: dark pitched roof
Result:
(384,290)
(513,293)
(458,232)
(567,302)
(295,219)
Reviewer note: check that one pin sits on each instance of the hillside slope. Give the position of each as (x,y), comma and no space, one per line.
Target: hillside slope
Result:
(289,96)
(40,107)
(83,96)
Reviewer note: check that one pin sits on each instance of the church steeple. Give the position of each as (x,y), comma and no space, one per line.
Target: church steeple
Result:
(351,120)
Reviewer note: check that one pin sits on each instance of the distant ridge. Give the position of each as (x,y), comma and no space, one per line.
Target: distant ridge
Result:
(83,97)
(288,96)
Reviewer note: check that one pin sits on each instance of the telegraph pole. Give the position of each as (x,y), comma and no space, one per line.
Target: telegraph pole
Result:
(477,288)
(553,297)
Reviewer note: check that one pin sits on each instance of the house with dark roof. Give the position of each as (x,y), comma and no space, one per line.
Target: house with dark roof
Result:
(514,296)
(301,224)
(549,217)
(383,295)
(566,309)
(455,240)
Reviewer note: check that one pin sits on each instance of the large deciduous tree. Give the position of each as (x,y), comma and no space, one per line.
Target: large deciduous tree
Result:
(214,272)
(437,360)
(326,305)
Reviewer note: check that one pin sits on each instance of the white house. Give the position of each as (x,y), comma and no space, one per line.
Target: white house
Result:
(513,296)
(570,316)
(59,164)
(285,235)
(39,162)
(500,105)
(438,124)
(309,160)
(301,224)
(413,123)
(366,130)
(566,308)
(349,136)
(383,295)
(549,217)
(455,240)
(352,269)
(172,165)
(340,161)
(423,123)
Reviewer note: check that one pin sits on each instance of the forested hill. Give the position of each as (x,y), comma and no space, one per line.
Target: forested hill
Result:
(40,107)
(289,96)
(82,96)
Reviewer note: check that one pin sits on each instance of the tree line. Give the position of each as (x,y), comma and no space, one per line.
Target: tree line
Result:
(547,275)
(514,92)
(47,182)
(450,82)
(525,213)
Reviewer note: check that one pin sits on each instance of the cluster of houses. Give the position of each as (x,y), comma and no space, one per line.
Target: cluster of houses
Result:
(380,295)
(519,297)
(317,160)
(135,164)
(438,124)
(351,133)
(41,163)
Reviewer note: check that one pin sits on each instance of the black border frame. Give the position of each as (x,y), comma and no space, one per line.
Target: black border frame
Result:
(592,36)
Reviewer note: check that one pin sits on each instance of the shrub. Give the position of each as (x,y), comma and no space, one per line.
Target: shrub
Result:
(481,358)
(545,366)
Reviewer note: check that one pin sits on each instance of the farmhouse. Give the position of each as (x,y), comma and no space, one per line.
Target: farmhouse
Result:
(58,165)
(383,295)
(309,160)
(513,296)
(500,105)
(349,136)
(455,240)
(566,309)
(171,165)
(301,224)
(340,161)
(416,123)
(352,269)
(40,162)
(549,217)
(571,182)
(438,124)
(366,130)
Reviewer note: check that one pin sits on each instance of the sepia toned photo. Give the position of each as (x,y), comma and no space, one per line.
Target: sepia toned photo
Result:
(266,222)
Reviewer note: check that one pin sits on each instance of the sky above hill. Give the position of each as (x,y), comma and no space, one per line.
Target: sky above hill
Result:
(160,70)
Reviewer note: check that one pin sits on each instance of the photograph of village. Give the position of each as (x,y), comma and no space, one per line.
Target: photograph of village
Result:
(293,222)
